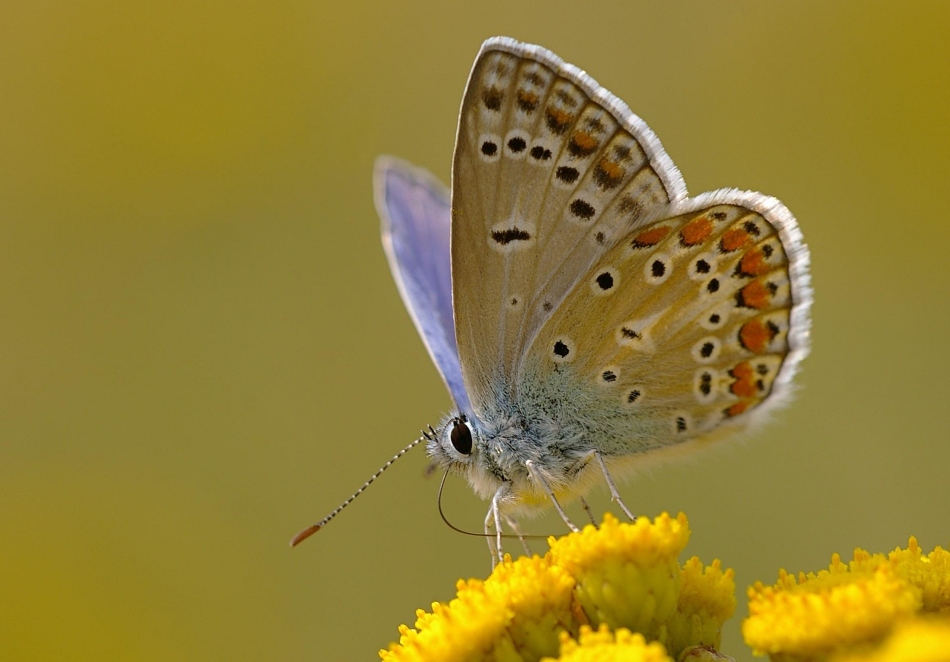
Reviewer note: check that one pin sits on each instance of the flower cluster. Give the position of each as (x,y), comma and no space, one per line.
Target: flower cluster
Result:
(584,600)
(618,592)
(873,608)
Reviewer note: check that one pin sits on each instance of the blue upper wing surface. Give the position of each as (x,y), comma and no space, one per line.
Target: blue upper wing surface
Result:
(415,211)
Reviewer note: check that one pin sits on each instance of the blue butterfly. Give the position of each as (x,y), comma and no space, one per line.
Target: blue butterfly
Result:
(584,313)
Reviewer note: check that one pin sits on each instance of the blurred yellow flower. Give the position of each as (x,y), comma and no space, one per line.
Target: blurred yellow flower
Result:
(918,640)
(930,573)
(849,606)
(622,576)
(605,646)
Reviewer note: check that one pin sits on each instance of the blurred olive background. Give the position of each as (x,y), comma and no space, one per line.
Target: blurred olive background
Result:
(202,350)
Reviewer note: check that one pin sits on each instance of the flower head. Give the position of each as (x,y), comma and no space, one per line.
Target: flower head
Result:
(606,646)
(917,640)
(622,576)
(627,574)
(847,607)
(707,599)
(515,614)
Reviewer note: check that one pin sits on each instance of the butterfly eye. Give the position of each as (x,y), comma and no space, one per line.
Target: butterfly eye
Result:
(461,436)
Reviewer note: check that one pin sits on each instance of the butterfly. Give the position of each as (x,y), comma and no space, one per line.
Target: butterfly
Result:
(583,311)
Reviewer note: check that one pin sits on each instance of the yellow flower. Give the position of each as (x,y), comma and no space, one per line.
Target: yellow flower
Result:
(538,597)
(627,574)
(515,614)
(848,607)
(618,575)
(467,628)
(918,640)
(824,612)
(930,573)
(604,646)
(707,600)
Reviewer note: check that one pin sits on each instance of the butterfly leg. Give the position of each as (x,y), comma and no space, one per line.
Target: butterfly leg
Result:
(590,513)
(517,529)
(489,535)
(493,518)
(547,489)
(614,494)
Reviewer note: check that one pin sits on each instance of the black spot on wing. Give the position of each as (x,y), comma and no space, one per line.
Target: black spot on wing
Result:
(566,98)
(505,237)
(517,144)
(582,209)
(605,281)
(627,332)
(567,174)
(540,153)
(492,98)
(631,207)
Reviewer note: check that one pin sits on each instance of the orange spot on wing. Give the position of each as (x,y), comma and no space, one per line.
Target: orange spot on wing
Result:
(737,408)
(558,120)
(744,386)
(734,239)
(608,174)
(755,295)
(527,101)
(753,263)
(696,231)
(755,335)
(585,140)
(650,237)
(612,169)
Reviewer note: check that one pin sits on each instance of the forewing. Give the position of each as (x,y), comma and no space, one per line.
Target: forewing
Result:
(690,324)
(550,169)
(415,213)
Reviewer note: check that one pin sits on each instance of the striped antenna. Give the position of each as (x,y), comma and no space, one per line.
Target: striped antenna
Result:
(313,528)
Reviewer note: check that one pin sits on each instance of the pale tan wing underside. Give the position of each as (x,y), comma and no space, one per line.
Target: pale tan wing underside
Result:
(688,323)
(550,170)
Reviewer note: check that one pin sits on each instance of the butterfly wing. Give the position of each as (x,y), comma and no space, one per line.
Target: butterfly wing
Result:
(691,324)
(415,213)
(577,258)
(549,169)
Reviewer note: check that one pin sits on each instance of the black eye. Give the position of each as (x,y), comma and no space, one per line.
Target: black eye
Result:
(461,436)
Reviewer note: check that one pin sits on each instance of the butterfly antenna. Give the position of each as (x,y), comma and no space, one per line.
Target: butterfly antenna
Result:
(313,528)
